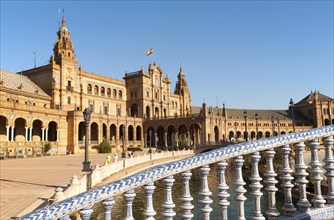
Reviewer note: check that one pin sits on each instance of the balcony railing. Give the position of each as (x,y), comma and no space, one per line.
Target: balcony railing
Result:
(320,206)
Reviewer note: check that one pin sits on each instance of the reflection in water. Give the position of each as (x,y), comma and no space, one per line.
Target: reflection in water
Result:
(119,209)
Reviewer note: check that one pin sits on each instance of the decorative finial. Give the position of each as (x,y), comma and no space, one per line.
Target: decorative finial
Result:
(63,21)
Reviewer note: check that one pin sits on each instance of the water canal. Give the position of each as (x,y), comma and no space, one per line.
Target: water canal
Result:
(119,209)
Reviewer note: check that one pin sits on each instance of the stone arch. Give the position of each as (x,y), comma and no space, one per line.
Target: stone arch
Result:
(156,112)
(103,91)
(120,94)
(109,92)
(113,132)
(114,93)
(165,113)
(138,133)
(171,135)
(104,131)
(36,130)
(327,121)
(81,131)
(238,135)
(231,135)
(130,133)
(160,136)
(267,134)
(121,133)
(94,132)
(260,134)
(216,130)
(283,132)
(134,110)
(150,137)
(89,89)
(252,135)
(96,90)
(183,136)
(52,131)
(148,111)
(3,128)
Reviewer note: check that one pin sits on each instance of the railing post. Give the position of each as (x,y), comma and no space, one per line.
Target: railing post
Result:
(186,198)
(86,213)
(256,186)
(239,189)
(205,193)
(168,204)
(129,196)
(149,212)
(329,167)
(300,167)
(318,200)
(286,178)
(270,182)
(107,205)
(223,195)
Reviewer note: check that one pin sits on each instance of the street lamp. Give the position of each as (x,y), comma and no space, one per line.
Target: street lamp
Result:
(86,164)
(291,105)
(123,139)
(246,133)
(257,127)
(150,135)
(235,127)
(278,128)
(193,121)
(273,125)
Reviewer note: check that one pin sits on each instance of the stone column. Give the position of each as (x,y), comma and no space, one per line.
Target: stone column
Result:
(134,136)
(46,134)
(117,138)
(300,167)
(145,137)
(256,187)
(286,178)
(43,131)
(166,144)
(30,133)
(86,213)
(168,204)
(26,134)
(107,205)
(155,140)
(177,139)
(270,182)
(189,139)
(149,212)
(13,127)
(7,132)
(239,187)
(186,198)
(129,196)
(316,177)
(205,193)
(329,167)
(223,194)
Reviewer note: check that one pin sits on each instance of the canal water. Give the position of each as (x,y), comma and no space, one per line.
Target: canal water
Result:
(119,209)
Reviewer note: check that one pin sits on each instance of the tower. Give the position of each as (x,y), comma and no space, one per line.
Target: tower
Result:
(181,89)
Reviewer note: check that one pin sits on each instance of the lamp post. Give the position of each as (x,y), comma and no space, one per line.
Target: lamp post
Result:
(150,140)
(291,105)
(273,125)
(257,127)
(86,164)
(193,121)
(278,128)
(246,133)
(123,139)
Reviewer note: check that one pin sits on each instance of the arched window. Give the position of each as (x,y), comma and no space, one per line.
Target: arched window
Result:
(109,92)
(120,96)
(96,90)
(102,91)
(69,54)
(114,93)
(89,89)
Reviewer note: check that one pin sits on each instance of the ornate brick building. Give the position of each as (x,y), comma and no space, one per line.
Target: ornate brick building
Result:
(45,104)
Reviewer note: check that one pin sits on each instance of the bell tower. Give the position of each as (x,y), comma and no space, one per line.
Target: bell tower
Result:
(181,89)
(63,48)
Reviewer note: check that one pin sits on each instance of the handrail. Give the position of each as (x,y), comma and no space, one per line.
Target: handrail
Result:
(92,196)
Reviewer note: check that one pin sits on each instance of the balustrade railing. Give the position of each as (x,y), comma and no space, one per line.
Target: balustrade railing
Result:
(280,148)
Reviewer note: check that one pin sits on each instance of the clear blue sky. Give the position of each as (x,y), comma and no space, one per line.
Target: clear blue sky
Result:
(251,54)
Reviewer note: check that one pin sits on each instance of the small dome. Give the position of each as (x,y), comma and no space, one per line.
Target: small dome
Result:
(63,29)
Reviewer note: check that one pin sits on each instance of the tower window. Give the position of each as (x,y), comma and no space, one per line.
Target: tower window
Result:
(120,94)
(69,100)
(115,93)
(69,54)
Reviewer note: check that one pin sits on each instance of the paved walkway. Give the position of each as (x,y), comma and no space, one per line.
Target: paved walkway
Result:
(29,182)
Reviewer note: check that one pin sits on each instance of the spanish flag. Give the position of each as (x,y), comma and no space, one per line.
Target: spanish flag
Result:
(149,52)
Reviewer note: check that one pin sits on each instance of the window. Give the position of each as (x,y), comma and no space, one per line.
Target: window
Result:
(120,96)
(69,54)
(96,90)
(108,92)
(147,94)
(69,100)
(114,93)
(69,83)
(105,109)
(164,97)
(89,89)
(156,95)
(102,91)
(135,94)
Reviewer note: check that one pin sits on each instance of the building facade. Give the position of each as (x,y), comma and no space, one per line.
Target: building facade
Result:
(45,104)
